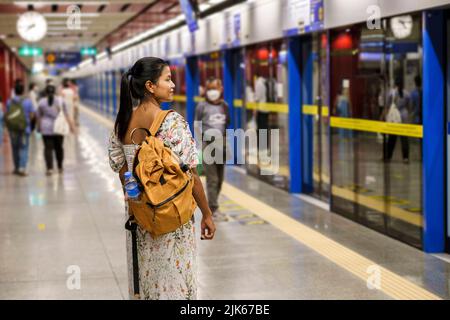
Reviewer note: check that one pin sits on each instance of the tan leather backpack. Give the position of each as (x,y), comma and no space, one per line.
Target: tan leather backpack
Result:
(166,185)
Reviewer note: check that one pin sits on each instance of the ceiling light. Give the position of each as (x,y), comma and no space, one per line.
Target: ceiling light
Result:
(37,67)
(64,15)
(64,22)
(214,2)
(40,4)
(204,6)
(65,29)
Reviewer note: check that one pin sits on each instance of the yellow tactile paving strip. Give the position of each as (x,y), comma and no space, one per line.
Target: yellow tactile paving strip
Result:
(390,283)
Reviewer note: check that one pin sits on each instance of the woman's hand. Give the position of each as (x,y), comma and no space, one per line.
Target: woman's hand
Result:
(208,227)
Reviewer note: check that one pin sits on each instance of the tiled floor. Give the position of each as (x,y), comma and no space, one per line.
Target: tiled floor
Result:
(49,224)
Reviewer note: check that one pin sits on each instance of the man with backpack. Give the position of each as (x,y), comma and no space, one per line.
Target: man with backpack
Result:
(18,117)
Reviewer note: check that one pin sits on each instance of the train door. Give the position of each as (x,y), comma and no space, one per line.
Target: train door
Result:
(315,110)
(238,71)
(266,110)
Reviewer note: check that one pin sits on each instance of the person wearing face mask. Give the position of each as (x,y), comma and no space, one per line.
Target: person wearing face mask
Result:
(214,117)
(48,109)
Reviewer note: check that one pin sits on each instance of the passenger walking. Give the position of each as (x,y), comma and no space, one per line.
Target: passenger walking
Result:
(214,117)
(76,102)
(163,267)
(68,96)
(18,117)
(49,108)
(33,94)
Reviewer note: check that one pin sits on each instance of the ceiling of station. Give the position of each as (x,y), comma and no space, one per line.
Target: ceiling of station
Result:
(103,23)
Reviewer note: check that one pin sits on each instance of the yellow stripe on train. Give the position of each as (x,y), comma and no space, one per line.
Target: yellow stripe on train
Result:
(400,129)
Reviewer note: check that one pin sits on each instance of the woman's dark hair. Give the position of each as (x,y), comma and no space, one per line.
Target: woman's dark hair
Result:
(50,92)
(19,87)
(66,83)
(31,86)
(399,85)
(133,87)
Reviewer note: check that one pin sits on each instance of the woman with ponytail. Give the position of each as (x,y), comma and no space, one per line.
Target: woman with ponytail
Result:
(48,109)
(167,264)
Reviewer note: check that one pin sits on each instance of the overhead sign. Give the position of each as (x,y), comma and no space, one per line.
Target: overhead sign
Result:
(26,51)
(64,59)
(88,51)
(191,20)
(303,16)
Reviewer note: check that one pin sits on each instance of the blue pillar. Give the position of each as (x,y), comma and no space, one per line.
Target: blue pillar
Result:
(101,92)
(308,120)
(295,114)
(192,84)
(433,131)
(228,84)
(107,92)
(114,91)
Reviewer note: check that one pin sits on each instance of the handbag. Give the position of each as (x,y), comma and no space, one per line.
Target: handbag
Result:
(61,126)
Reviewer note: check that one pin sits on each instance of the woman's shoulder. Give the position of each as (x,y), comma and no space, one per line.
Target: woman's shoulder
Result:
(173,119)
(174,116)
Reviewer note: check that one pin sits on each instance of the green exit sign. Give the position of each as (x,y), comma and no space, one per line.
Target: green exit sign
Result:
(88,51)
(26,51)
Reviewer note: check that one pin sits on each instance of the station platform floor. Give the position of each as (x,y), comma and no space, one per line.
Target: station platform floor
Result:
(275,245)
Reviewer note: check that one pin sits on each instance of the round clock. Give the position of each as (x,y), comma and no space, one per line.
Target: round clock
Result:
(402,26)
(32,26)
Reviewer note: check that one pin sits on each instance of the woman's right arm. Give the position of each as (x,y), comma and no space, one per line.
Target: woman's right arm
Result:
(208,228)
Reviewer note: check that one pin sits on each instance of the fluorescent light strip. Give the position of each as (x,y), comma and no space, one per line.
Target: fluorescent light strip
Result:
(85,63)
(101,56)
(215,2)
(148,33)
(66,29)
(65,15)
(60,2)
(64,22)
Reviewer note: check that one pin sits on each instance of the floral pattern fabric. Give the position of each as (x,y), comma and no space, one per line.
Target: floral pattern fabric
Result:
(167,264)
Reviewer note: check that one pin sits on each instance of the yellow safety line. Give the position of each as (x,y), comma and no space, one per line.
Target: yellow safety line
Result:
(392,284)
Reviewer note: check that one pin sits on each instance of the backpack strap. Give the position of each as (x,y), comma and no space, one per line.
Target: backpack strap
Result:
(158,121)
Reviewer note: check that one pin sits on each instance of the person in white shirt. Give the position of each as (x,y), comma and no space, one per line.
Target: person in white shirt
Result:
(68,96)
(33,94)
(76,105)
(262,115)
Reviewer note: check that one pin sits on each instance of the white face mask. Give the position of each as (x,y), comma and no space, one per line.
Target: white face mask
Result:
(213,95)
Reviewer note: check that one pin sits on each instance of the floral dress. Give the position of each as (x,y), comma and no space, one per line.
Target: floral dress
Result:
(167,264)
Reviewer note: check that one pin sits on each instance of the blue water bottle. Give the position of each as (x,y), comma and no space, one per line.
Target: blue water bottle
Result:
(132,187)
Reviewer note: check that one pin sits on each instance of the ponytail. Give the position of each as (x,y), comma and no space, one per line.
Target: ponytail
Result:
(50,100)
(133,87)
(50,92)
(125,108)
